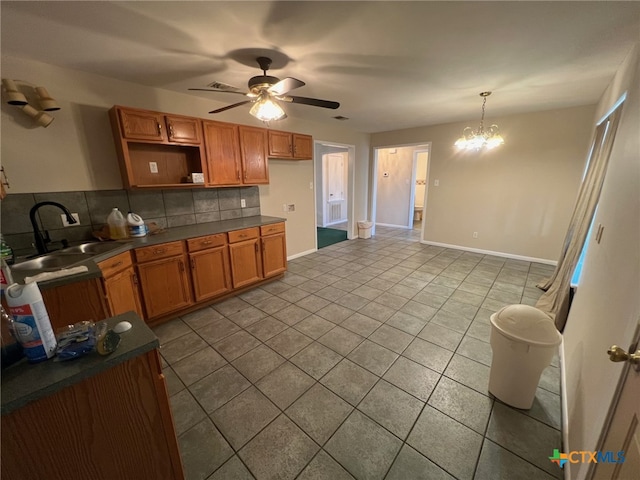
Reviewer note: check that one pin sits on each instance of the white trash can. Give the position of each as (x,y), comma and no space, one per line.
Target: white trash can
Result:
(364,229)
(523,340)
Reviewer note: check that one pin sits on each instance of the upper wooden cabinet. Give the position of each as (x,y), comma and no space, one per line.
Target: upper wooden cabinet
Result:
(290,145)
(157,127)
(222,144)
(253,149)
(157,150)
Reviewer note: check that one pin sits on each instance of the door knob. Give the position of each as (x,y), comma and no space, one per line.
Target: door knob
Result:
(617,354)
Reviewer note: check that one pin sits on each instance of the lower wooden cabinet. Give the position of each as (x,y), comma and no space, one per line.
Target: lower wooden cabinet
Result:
(120,283)
(163,278)
(274,249)
(210,269)
(116,424)
(245,257)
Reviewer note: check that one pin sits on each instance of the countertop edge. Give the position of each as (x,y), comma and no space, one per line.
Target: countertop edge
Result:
(169,235)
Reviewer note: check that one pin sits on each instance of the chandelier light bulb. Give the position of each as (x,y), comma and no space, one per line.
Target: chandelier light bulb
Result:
(266,110)
(480,138)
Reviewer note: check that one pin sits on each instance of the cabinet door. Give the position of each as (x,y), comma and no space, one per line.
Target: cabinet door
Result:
(183,129)
(223,153)
(142,125)
(210,272)
(165,285)
(253,146)
(274,254)
(302,146)
(280,145)
(245,262)
(122,292)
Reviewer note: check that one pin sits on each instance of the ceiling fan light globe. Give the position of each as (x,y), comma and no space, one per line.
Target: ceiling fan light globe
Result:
(267,110)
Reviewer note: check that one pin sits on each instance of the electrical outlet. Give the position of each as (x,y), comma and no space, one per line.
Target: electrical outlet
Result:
(475,234)
(153,167)
(291,207)
(310,185)
(67,224)
(243,203)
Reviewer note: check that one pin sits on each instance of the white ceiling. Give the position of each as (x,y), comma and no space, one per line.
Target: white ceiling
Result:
(390,64)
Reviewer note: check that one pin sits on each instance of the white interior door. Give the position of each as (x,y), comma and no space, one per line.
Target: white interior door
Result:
(335,186)
(623,434)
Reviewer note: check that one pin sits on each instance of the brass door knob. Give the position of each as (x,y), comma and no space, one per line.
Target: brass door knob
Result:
(617,354)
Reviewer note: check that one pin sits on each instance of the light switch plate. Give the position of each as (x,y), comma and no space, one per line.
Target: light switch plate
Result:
(243,203)
(153,167)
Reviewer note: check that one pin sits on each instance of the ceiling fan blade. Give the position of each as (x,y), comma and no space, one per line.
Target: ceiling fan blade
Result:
(228,107)
(285,85)
(222,86)
(218,91)
(316,102)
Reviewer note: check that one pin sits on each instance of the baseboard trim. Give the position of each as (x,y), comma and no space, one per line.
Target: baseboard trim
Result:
(393,226)
(491,252)
(302,254)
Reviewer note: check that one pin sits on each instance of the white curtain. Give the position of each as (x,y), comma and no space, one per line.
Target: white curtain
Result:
(555,300)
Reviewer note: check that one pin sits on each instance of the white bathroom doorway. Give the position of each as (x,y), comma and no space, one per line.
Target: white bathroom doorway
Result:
(400,186)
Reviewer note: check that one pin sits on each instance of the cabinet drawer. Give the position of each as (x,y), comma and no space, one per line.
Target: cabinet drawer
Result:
(272,229)
(156,252)
(115,264)
(245,234)
(209,241)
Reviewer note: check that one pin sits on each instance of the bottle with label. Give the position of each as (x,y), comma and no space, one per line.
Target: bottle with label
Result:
(117,225)
(31,325)
(136,225)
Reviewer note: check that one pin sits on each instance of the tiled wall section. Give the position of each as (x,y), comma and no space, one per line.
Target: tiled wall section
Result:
(167,208)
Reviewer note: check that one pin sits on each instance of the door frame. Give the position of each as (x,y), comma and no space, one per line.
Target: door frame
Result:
(374,181)
(317,158)
(414,177)
(325,200)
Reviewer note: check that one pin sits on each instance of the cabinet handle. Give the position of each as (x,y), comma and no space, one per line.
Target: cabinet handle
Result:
(206,242)
(193,264)
(170,130)
(159,251)
(290,148)
(245,174)
(237,174)
(181,265)
(135,279)
(117,264)
(256,244)
(242,235)
(159,129)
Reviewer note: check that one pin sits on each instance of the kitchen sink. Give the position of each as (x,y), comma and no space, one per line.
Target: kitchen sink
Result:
(90,248)
(51,262)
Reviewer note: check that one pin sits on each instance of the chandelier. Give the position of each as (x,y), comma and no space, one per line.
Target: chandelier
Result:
(481,138)
(266,109)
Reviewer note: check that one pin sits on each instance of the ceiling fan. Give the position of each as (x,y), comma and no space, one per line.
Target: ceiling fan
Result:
(265,92)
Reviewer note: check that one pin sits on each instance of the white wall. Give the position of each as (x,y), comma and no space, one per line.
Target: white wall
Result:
(518,197)
(606,307)
(76,152)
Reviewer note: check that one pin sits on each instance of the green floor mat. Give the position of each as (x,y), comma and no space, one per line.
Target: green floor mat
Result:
(329,236)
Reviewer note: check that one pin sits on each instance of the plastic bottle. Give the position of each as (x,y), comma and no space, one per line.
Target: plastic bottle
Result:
(6,252)
(136,225)
(32,326)
(117,225)
(5,275)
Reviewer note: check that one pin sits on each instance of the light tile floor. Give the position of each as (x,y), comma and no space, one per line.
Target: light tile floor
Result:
(369,360)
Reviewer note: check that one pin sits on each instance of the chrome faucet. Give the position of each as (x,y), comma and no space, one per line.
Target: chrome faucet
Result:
(41,241)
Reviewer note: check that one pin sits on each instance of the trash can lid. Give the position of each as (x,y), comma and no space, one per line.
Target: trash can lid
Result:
(526,324)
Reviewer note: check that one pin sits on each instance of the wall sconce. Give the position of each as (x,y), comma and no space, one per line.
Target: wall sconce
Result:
(16,98)
(47,103)
(41,118)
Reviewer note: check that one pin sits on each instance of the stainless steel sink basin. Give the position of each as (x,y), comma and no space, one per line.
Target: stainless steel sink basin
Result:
(91,248)
(51,262)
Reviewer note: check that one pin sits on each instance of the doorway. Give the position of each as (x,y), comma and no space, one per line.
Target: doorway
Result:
(334,166)
(400,186)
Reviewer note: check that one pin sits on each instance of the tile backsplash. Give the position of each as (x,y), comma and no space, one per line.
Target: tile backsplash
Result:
(167,208)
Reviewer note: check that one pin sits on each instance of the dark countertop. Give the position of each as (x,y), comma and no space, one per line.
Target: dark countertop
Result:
(168,235)
(24,383)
